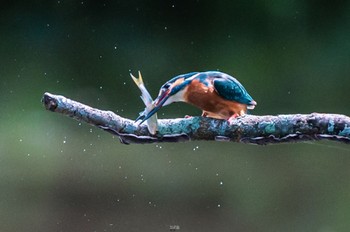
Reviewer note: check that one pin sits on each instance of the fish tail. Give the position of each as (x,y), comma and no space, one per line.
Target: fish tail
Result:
(138,81)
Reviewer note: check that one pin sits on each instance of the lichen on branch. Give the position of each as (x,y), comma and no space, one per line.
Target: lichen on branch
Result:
(251,129)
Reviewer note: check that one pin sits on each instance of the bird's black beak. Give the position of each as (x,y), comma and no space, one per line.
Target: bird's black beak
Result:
(158,103)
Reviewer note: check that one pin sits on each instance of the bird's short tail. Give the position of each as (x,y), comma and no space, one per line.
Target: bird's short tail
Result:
(252,105)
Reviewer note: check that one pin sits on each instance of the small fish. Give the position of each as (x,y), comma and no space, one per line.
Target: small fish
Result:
(152,122)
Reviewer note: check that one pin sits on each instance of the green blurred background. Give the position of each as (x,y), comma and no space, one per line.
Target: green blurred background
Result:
(57,174)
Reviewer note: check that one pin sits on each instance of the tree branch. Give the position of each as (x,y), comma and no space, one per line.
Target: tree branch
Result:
(247,129)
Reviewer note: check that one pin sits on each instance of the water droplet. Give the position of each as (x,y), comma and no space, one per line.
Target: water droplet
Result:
(100,87)
(221,183)
(219,205)
(64,141)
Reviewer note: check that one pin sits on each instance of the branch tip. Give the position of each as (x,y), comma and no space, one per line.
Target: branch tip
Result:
(49,102)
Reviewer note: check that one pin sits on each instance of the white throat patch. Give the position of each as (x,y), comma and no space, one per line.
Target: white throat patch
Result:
(178,97)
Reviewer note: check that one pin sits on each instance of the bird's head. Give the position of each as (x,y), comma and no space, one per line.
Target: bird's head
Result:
(171,91)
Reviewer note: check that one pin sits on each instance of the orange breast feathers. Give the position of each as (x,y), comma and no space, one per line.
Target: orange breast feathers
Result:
(213,105)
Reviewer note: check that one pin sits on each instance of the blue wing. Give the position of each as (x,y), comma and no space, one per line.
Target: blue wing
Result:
(230,89)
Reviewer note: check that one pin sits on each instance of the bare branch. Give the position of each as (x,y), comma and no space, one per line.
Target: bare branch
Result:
(247,129)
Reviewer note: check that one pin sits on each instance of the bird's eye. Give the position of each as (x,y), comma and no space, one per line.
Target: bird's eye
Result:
(166,86)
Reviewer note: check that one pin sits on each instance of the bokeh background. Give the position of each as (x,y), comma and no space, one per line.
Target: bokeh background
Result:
(57,174)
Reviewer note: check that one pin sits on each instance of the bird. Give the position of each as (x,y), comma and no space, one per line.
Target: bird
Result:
(217,94)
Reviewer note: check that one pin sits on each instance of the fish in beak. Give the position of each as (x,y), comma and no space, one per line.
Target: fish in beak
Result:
(157,104)
(152,122)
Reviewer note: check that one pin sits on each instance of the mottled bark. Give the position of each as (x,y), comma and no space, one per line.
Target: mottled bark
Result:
(247,129)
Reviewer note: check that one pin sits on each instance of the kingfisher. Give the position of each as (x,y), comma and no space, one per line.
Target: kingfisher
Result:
(217,94)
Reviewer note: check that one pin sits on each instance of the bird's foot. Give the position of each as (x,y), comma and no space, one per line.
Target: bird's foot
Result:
(232,118)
